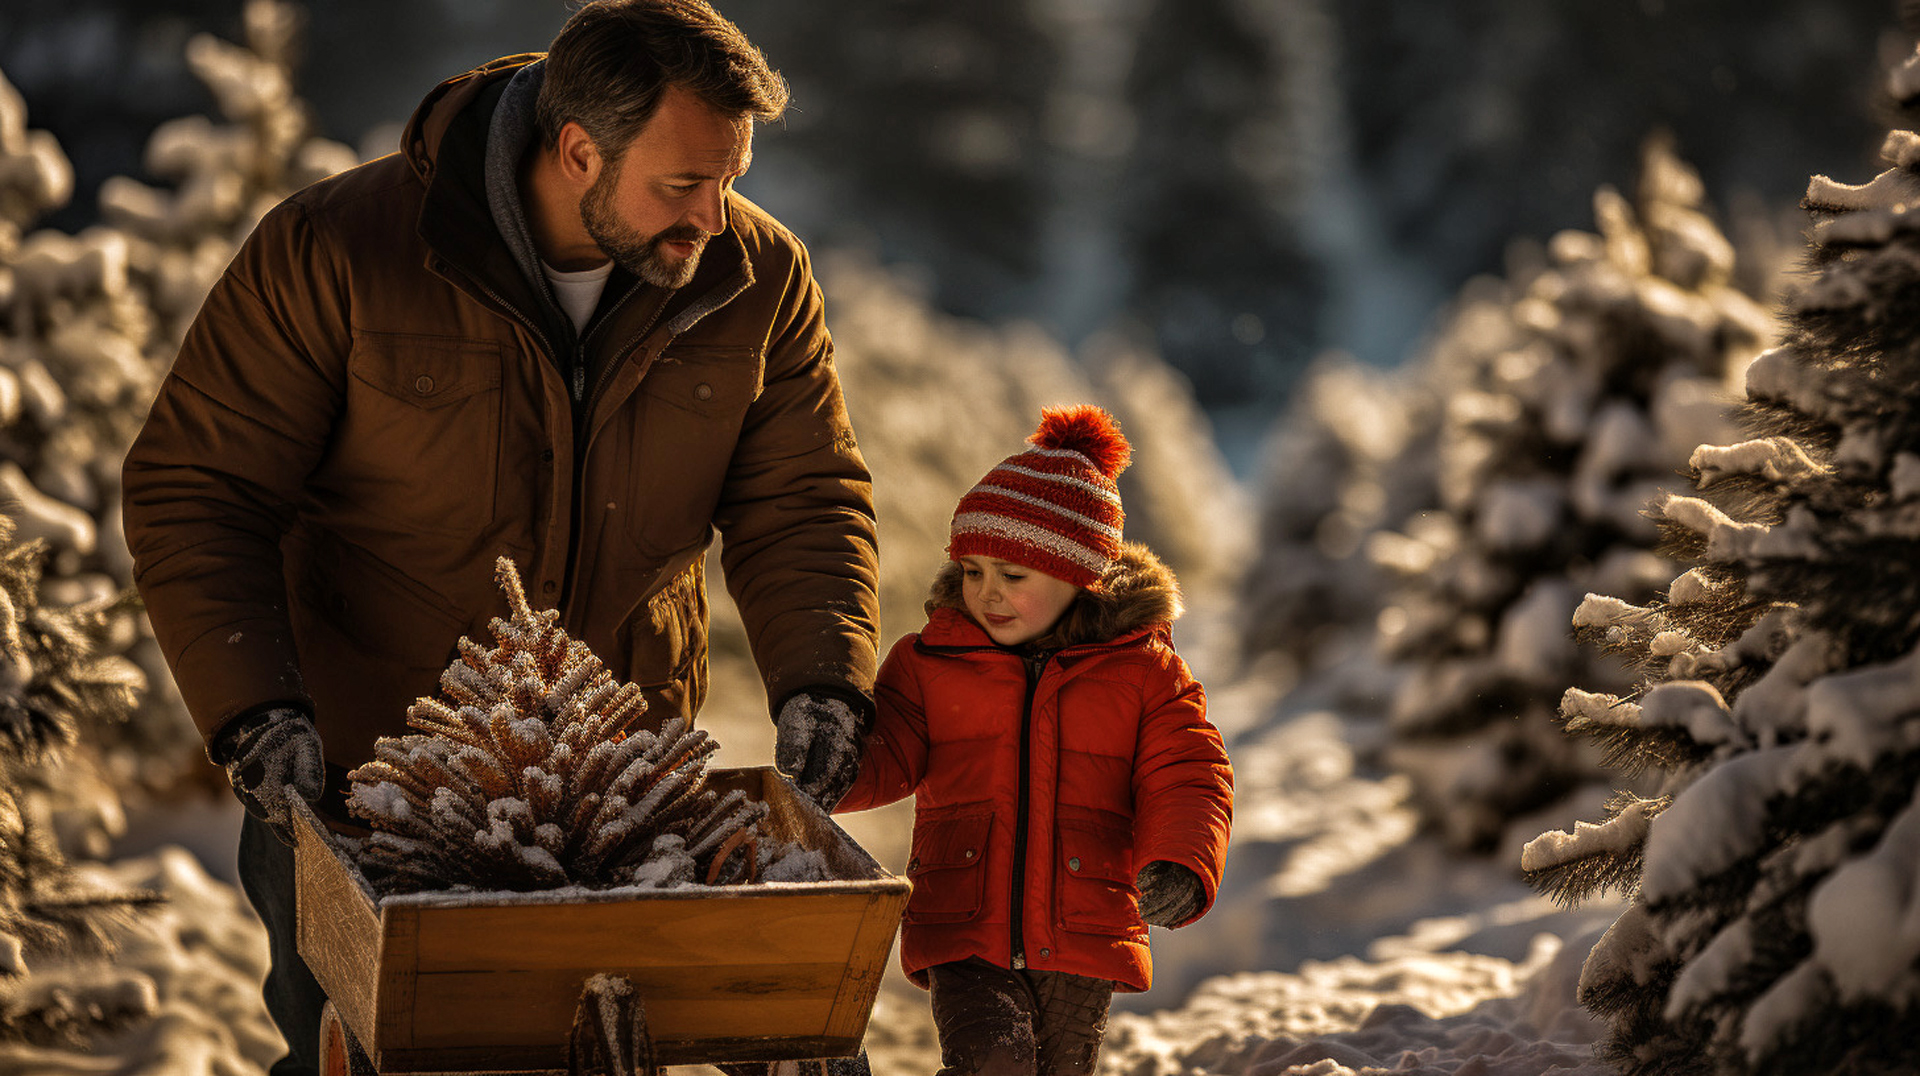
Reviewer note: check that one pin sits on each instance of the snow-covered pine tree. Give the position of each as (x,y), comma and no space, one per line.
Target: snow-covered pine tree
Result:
(1572,393)
(1350,457)
(90,322)
(1774,875)
(54,687)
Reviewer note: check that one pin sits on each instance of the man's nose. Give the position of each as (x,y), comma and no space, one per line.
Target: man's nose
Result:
(710,216)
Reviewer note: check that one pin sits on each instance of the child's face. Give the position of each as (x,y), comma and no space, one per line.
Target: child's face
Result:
(1012,601)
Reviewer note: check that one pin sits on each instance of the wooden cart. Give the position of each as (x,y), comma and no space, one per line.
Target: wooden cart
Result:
(490,982)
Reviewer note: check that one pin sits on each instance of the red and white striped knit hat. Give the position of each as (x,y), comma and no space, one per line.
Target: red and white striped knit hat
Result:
(1053,507)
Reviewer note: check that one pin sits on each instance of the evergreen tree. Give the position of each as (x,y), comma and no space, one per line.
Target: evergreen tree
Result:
(54,686)
(90,322)
(1773,872)
(1572,392)
(1352,456)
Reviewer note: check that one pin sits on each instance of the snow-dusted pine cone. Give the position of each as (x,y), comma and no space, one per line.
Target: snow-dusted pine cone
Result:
(533,773)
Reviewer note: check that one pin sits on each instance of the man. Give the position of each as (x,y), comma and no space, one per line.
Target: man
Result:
(547,328)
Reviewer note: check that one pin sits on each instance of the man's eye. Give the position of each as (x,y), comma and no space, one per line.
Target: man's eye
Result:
(1011,578)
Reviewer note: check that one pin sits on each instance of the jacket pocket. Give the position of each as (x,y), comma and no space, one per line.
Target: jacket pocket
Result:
(947,867)
(418,442)
(667,637)
(376,609)
(1097,895)
(681,443)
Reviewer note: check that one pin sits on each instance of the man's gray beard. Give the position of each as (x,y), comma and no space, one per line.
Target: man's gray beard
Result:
(654,269)
(641,257)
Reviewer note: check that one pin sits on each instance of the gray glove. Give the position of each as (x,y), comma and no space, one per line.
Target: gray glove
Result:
(271,756)
(817,742)
(1169,893)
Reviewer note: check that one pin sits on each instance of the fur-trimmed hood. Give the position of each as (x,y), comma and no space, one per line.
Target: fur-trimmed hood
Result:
(1138,592)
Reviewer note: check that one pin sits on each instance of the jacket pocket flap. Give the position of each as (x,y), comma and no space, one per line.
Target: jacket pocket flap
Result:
(1090,850)
(954,841)
(425,371)
(706,379)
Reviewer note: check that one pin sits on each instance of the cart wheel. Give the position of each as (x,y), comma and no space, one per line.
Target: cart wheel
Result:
(340,1055)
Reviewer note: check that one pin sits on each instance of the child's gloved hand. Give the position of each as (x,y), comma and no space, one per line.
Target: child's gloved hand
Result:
(1169,893)
(270,756)
(817,743)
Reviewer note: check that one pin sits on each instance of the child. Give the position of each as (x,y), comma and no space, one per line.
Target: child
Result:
(1069,789)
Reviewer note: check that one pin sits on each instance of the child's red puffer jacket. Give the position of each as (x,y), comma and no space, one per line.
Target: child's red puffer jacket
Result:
(1042,786)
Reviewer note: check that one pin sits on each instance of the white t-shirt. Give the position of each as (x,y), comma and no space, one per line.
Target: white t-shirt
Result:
(579,292)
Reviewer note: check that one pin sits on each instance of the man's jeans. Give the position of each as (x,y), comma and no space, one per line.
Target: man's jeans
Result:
(293,997)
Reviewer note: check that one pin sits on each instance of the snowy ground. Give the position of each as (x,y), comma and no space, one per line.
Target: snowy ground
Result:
(1343,941)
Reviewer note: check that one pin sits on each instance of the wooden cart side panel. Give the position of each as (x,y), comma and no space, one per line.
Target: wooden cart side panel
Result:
(798,820)
(533,1008)
(399,973)
(649,930)
(548,1058)
(866,962)
(336,926)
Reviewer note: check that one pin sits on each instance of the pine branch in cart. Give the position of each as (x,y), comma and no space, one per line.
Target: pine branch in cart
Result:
(533,770)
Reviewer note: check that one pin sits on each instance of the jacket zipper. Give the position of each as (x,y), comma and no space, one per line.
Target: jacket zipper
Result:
(539,334)
(606,374)
(585,402)
(1016,923)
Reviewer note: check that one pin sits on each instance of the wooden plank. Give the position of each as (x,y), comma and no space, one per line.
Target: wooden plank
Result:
(528,1008)
(335,926)
(866,962)
(799,926)
(548,1058)
(399,972)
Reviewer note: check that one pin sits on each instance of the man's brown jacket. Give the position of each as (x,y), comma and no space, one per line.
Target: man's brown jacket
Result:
(366,413)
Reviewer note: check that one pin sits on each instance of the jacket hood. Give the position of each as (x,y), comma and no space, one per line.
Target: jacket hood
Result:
(1137,593)
(426,130)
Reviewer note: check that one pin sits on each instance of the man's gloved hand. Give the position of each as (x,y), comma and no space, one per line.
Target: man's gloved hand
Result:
(269,756)
(817,742)
(1169,892)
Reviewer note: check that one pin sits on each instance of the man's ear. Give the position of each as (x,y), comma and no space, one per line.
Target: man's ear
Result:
(579,157)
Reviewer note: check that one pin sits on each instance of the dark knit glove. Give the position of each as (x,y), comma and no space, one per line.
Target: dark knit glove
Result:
(271,756)
(817,742)
(1169,893)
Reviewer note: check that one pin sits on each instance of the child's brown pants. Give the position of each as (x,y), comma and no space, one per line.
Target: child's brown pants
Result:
(996,1022)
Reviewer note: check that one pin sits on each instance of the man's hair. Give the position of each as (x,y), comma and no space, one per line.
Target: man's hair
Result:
(612,60)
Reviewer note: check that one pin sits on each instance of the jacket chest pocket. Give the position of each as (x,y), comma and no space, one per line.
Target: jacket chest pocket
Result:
(681,443)
(947,867)
(1096,878)
(418,443)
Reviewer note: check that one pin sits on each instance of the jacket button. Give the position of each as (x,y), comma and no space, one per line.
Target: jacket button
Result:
(1073,864)
(423,385)
(549,586)
(969,853)
(546,456)
(1045,953)
(703,391)
(913,864)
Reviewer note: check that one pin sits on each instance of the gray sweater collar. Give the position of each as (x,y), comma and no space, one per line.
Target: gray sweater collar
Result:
(508,136)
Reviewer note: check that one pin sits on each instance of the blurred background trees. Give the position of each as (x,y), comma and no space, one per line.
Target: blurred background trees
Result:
(1240,185)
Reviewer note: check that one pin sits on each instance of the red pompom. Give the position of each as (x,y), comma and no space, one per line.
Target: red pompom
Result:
(1087,430)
